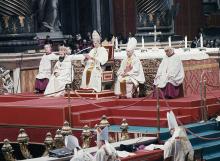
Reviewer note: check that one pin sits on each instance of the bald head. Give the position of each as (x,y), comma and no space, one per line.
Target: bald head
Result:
(169,51)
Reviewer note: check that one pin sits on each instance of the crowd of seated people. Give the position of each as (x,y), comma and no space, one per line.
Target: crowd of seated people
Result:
(207,42)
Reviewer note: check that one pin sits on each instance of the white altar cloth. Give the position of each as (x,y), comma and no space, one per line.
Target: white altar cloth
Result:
(190,54)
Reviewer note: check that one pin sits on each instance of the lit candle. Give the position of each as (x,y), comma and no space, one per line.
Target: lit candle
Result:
(185,41)
(142,40)
(116,43)
(201,41)
(169,40)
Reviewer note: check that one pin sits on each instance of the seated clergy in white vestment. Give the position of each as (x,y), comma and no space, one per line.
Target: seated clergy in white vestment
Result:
(72,143)
(62,74)
(170,76)
(130,73)
(44,72)
(178,147)
(92,74)
(105,152)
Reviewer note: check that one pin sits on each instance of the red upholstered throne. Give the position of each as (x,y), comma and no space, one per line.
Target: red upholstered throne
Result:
(107,75)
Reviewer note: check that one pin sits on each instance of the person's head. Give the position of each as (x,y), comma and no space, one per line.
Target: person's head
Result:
(169,51)
(62,51)
(96,39)
(47,48)
(47,37)
(68,50)
(78,37)
(132,43)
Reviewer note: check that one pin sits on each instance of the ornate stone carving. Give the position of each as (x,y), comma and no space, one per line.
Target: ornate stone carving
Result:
(6,83)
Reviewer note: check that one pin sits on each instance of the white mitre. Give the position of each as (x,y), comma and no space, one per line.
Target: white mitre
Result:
(71,143)
(132,43)
(171,119)
(96,36)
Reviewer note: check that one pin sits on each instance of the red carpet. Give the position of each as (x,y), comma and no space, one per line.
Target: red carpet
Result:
(38,111)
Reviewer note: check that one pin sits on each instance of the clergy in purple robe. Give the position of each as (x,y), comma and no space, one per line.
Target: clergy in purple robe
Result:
(170,76)
(44,72)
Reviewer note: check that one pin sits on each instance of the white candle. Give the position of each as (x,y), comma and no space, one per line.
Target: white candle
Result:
(142,40)
(185,41)
(201,41)
(169,40)
(116,43)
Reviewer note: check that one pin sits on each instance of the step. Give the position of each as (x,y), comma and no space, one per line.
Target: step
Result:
(142,111)
(133,121)
(208,134)
(212,157)
(203,126)
(208,147)
(213,110)
(194,127)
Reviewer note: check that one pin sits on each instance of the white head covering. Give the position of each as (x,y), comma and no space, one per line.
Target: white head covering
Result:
(72,143)
(103,135)
(179,132)
(171,119)
(96,36)
(132,43)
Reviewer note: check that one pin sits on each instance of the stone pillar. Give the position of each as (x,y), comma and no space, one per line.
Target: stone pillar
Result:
(102,16)
(96,15)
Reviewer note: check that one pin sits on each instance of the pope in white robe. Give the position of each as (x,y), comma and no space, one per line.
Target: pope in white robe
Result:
(105,152)
(62,74)
(170,75)
(92,74)
(178,147)
(44,71)
(130,73)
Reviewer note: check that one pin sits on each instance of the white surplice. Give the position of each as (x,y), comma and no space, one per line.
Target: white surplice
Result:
(170,71)
(106,153)
(135,76)
(45,66)
(81,155)
(65,76)
(178,146)
(100,55)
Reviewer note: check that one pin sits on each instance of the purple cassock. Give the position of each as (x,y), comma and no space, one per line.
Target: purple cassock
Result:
(41,84)
(169,91)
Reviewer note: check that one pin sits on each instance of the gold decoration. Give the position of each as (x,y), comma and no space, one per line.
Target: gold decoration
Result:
(7,151)
(48,142)
(66,129)
(21,20)
(124,128)
(104,122)
(23,141)
(58,139)
(86,137)
(6,19)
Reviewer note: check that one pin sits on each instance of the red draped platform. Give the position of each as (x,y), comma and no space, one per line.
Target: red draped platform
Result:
(49,114)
